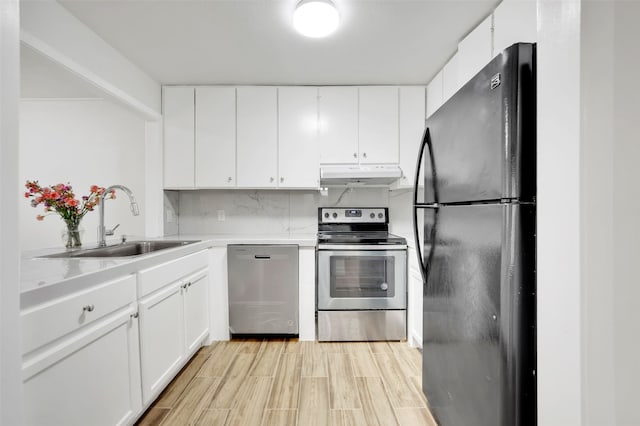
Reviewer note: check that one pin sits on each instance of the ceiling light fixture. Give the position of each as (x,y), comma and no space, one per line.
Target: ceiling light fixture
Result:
(315,18)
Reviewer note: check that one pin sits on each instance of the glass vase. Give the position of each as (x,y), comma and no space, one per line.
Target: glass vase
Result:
(72,235)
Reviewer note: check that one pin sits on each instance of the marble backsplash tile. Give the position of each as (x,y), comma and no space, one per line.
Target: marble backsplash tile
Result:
(260,211)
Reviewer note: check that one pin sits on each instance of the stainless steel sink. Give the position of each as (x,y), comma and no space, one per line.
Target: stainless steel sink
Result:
(129,248)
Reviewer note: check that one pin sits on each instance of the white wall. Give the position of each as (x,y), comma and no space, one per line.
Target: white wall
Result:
(49,28)
(84,143)
(596,211)
(626,214)
(262,212)
(10,356)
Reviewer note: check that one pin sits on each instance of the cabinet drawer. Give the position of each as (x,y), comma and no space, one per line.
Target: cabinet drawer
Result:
(49,321)
(154,278)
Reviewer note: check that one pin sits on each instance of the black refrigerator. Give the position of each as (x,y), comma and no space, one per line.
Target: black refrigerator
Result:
(478,214)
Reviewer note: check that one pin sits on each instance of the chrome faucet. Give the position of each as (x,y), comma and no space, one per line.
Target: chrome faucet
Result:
(104,232)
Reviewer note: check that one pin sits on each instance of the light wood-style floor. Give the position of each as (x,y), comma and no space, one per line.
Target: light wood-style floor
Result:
(287,382)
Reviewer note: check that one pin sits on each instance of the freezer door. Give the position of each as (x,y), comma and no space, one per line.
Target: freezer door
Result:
(484,137)
(479,315)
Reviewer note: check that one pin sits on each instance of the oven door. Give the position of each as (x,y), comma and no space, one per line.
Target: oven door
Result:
(362,277)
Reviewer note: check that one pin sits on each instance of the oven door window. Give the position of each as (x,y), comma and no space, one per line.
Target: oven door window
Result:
(362,276)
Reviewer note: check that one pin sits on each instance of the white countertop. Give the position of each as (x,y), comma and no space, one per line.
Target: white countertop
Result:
(44,278)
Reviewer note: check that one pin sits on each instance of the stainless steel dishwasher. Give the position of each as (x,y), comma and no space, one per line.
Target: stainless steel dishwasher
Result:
(263,289)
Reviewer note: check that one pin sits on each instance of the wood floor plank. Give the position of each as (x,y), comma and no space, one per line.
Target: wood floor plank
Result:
(314,364)
(343,392)
(354,418)
(250,402)
(416,381)
(375,402)
(399,388)
(236,374)
(364,365)
(250,346)
(220,358)
(172,392)
(153,417)
(379,347)
(286,386)
(267,359)
(280,418)
(292,346)
(415,417)
(192,402)
(351,347)
(335,418)
(215,417)
(314,401)
(406,363)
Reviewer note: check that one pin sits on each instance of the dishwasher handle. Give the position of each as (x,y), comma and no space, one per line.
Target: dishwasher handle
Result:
(262,256)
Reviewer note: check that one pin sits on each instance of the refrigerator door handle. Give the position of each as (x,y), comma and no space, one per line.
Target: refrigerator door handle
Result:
(426,142)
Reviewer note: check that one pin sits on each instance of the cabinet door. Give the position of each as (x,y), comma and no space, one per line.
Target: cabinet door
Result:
(178,114)
(257,137)
(298,162)
(513,22)
(90,377)
(161,339)
(450,82)
(338,121)
(474,51)
(378,125)
(434,94)
(412,118)
(196,310)
(215,152)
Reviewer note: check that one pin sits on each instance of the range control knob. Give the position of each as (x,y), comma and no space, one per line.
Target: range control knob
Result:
(379,215)
(326,215)
(335,215)
(372,215)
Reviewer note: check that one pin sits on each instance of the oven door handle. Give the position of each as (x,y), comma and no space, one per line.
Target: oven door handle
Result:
(362,247)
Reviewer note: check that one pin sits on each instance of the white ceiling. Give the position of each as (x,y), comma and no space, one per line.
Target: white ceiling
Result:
(253,42)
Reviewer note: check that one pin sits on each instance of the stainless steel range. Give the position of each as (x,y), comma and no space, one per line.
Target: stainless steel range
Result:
(362,276)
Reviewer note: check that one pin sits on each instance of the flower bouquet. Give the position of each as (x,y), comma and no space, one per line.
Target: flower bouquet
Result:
(60,199)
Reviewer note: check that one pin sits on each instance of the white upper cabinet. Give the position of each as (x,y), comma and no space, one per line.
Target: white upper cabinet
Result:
(298,156)
(378,124)
(178,112)
(412,117)
(338,124)
(514,21)
(434,94)
(257,137)
(450,78)
(474,52)
(215,135)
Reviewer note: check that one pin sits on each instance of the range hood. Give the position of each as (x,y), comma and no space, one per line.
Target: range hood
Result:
(355,174)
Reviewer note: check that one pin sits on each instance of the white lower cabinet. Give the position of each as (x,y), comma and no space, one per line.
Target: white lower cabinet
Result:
(100,356)
(89,374)
(174,318)
(196,311)
(161,339)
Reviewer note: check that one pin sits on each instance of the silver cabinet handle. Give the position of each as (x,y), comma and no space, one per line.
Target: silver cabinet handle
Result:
(271,179)
(88,308)
(134,315)
(184,286)
(229,179)
(281,179)
(189,284)
(364,154)
(355,155)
